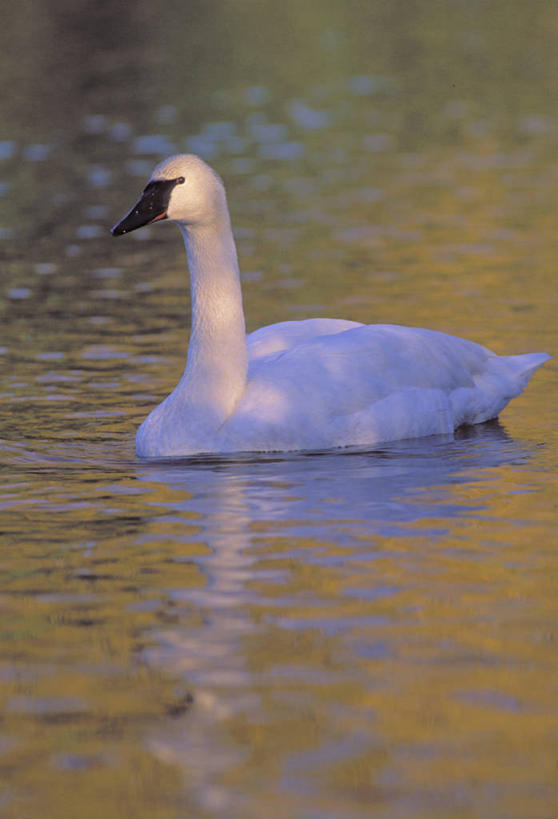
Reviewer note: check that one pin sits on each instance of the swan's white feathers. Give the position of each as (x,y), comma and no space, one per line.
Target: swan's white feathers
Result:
(365,385)
(282,336)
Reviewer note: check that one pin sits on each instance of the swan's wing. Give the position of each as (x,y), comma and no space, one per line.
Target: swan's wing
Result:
(374,383)
(283,336)
(352,369)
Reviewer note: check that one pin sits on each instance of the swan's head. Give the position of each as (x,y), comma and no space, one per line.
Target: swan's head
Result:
(183,189)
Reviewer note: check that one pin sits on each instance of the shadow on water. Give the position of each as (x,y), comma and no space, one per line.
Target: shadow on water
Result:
(387,487)
(335,497)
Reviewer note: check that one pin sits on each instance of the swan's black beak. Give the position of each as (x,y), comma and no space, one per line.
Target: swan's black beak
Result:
(152,207)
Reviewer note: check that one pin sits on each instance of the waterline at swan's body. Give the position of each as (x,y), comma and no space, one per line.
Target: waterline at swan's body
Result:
(300,385)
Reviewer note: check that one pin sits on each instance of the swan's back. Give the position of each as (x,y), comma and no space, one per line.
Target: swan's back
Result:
(282,336)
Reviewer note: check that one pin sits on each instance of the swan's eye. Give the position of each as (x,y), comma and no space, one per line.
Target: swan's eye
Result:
(180,180)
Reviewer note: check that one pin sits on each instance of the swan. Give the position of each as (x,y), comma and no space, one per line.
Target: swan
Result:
(299,385)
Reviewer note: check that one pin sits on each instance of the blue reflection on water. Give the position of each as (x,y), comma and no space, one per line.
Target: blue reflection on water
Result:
(309,501)
(385,489)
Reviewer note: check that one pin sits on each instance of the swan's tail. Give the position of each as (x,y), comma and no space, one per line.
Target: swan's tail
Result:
(522,367)
(503,379)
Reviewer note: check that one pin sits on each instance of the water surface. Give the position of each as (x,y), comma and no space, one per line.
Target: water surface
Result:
(349,634)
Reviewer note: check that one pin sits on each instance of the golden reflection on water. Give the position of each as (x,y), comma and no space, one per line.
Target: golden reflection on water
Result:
(329,635)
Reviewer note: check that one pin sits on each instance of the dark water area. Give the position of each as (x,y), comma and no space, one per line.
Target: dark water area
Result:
(351,633)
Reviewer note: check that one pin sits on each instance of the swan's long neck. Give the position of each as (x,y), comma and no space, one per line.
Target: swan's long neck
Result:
(215,374)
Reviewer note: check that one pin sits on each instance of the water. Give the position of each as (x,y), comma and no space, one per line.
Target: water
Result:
(324,635)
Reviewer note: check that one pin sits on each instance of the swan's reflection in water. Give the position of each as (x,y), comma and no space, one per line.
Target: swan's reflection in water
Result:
(293,544)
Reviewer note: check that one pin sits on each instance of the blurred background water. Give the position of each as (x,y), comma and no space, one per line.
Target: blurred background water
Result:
(347,634)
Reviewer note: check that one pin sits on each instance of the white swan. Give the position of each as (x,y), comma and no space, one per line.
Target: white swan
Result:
(300,385)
